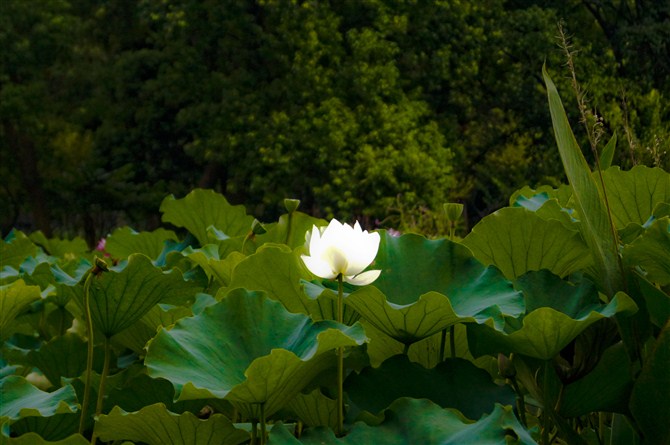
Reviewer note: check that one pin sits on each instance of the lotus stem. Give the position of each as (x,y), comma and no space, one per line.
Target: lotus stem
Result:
(263,430)
(405,350)
(545,406)
(452,340)
(103,382)
(443,341)
(254,432)
(340,359)
(89,358)
(520,402)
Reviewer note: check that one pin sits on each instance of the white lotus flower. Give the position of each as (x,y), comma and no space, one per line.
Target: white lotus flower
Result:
(342,249)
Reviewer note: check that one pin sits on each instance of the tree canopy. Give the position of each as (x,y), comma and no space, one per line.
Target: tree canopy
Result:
(354,107)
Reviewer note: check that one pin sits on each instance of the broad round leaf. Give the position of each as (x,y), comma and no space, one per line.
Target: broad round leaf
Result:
(21,399)
(651,251)
(517,240)
(428,285)
(544,331)
(633,194)
(121,297)
(248,349)
(124,241)
(155,425)
(419,421)
(201,209)
(14,299)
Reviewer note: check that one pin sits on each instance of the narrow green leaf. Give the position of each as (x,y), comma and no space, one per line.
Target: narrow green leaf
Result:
(607,155)
(595,225)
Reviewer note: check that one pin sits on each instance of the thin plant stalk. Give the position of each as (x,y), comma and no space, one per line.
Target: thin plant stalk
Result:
(254,431)
(520,402)
(443,341)
(452,340)
(263,429)
(89,357)
(545,407)
(340,359)
(103,382)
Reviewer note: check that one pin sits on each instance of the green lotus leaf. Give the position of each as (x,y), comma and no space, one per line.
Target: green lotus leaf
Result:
(59,247)
(562,194)
(121,297)
(52,428)
(215,267)
(201,209)
(124,241)
(517,240)
(276,270)
(633,194)
(651,251)
(64,356)
(428,285)
(454,383)
(315,409)
(658,302)
(606,388)
(544,331)
(248,349)
(15,298)
(650,400)
(155,425)
(14,249)
(419,421)
(36,439)
(22,399)
(136,336)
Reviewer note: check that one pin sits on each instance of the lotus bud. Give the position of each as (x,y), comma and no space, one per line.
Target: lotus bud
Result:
(291,204)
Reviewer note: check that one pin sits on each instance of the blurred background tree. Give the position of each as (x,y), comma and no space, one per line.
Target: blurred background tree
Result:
(360,108)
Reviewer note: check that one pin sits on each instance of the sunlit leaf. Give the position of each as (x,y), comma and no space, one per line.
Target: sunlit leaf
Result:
(428,285)
(201,209)
(124,241)
(544,331)
(22,399)
(121,297)
(634,194)
(59,247)
(248,349)
(14,299)
(651,252)
(517,240)
(15,249)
